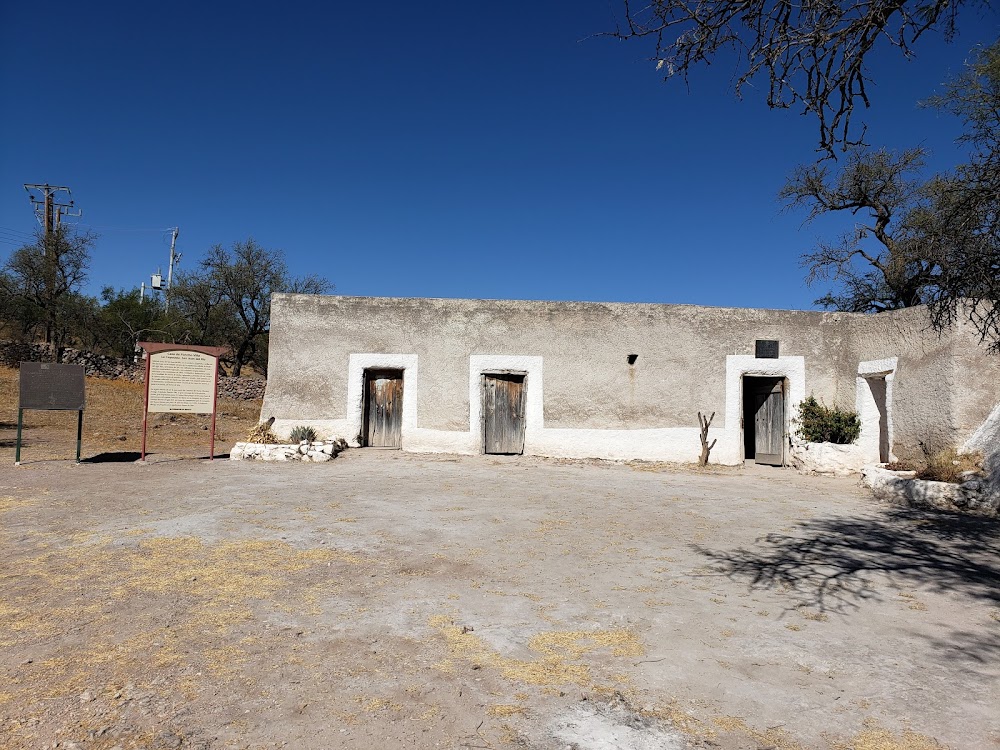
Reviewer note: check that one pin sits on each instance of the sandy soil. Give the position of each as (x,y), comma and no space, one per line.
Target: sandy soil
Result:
(390,600)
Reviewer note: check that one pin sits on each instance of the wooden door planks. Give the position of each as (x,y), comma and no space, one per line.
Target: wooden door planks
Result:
(503,413)
(383,408)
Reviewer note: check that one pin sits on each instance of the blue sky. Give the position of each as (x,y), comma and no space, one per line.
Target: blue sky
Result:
(438,149)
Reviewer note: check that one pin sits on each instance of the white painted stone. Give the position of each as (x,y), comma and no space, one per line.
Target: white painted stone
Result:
(889,486)
(827,458)
(323,451)
(986,440)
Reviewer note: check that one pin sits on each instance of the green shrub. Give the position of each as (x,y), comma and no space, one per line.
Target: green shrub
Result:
(302,432)
(823,424)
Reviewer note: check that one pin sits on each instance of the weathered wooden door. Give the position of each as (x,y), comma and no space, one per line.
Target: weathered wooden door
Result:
(383,408)
(503,413)
(769,425)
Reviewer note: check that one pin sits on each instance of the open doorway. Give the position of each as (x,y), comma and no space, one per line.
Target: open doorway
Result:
(877,386)
(764,420)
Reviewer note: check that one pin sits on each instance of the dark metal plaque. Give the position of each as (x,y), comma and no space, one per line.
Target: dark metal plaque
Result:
(766,349)
(49,386)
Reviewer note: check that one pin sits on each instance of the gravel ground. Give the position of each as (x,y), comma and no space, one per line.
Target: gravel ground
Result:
(393,600)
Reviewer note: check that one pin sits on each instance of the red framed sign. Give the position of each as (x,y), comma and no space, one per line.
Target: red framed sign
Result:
(181,379)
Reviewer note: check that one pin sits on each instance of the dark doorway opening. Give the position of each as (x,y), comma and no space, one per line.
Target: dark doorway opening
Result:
(383,413)
(503,413)
(764,420)
(878,388)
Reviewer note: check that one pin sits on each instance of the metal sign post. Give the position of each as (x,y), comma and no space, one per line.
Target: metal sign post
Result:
(181,380)
(46,386)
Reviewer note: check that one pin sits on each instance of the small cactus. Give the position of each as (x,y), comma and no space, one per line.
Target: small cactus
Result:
(303,432)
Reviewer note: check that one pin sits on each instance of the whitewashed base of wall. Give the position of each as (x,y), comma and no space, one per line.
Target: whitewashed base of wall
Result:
(980,495)
(315,452)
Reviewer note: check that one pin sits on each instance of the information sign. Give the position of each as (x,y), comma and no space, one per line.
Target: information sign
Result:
(48,386)
(182,380)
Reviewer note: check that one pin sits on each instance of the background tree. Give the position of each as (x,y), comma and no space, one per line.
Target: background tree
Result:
(122,320)
(931,240)
(963,226)
(204,316)
(812,53)
(243,278)
(40,285)
(879,263)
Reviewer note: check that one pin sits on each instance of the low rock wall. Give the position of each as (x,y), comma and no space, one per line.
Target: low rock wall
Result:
(240,389)
(12,354)
(978,495)
(317,452)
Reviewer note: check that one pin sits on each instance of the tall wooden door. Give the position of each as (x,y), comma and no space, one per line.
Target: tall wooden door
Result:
(503,413)
(383,408)
(769,425)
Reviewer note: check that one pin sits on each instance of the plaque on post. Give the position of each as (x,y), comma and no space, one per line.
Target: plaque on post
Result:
(181,380)
(47,386)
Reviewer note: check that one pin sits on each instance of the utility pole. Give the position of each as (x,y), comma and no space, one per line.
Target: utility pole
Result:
(170,269)
(43,200)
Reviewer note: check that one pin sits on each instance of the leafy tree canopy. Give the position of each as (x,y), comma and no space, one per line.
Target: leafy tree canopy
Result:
(40,286)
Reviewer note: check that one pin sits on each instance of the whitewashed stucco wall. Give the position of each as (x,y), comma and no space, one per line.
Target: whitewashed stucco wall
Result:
(583,399)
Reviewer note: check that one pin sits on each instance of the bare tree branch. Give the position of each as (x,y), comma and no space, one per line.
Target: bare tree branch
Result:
(813,53)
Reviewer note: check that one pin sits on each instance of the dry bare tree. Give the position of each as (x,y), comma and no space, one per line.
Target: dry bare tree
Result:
(813,54)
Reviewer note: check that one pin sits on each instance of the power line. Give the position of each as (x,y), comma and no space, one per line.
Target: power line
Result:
(123,229)
(11,230)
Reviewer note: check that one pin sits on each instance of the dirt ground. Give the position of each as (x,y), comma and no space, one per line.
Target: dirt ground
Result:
(389,600)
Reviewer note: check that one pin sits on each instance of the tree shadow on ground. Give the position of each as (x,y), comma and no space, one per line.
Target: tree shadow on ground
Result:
(968,651)
(834,564)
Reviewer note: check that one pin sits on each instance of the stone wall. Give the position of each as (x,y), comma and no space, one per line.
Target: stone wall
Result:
(240,389)
(95,365)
